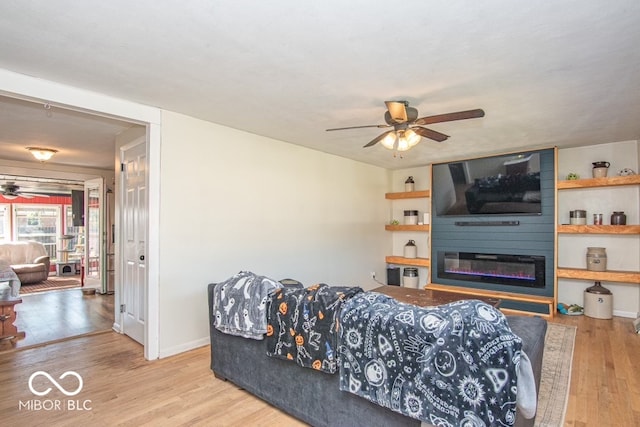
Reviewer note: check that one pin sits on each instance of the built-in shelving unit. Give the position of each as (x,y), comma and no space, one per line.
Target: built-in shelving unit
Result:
(422,228)
(609,275)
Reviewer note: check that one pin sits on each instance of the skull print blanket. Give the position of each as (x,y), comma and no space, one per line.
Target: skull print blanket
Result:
(239,304)
(302,324)
(449,365)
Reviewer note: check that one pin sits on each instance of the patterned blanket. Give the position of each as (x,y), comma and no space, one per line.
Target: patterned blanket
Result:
(8,275)
(450,365)
(239,304)
(302,324)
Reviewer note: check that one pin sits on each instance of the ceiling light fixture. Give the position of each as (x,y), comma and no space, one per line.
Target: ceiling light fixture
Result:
(400,140)
(42,154)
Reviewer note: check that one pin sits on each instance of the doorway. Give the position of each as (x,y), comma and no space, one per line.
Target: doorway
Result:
(94,105)
(54,308)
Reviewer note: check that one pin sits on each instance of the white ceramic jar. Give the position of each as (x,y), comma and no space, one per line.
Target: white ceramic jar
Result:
(410,217)
(596,259)
(410,277)
(410,250)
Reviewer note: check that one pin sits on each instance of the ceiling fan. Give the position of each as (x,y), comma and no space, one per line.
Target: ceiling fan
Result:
(407,127)
(12,191)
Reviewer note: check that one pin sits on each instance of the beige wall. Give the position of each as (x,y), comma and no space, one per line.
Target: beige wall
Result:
(232,201)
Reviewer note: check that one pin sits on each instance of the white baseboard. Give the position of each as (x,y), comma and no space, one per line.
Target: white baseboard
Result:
(630,314)
(171,351)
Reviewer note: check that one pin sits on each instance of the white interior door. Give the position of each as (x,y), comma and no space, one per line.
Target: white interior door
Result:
(134,239)
(94,233)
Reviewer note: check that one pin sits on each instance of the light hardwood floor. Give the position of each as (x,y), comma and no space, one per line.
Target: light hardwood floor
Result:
(605,377)
(56,315)
(124,389)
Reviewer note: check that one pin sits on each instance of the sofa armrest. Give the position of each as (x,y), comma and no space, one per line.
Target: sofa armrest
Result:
(43,260)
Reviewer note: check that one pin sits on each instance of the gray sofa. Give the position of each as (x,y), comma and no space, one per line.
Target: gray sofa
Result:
(315,397)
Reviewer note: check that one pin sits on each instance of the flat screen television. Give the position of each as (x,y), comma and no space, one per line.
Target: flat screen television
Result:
(497,185)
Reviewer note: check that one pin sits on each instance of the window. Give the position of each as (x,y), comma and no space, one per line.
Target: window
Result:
(5,228)
(41,223)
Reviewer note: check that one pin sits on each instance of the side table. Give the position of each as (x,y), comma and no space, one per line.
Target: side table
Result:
(8,316)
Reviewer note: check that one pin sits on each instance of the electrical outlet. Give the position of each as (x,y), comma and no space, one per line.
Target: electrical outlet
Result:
(373,275)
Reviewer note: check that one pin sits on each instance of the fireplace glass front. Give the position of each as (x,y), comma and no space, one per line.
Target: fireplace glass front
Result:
(515,270)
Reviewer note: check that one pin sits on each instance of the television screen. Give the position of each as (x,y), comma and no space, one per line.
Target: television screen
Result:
(497,185)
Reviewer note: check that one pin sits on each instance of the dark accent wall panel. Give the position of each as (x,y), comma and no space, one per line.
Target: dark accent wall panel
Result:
(77,207)
(533,236)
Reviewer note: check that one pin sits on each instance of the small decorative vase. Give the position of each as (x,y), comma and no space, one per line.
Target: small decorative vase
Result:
(409,185)
(410,250)
(596,259)
(410,277)
(618,218)
(600,169)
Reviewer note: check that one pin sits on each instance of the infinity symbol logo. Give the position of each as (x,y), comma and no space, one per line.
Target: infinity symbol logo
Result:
(55,383)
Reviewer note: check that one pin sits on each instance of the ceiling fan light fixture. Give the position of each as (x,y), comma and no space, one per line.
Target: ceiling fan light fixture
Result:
(389,141)
(411,137)
(10,196)
(403,144)
(42,154)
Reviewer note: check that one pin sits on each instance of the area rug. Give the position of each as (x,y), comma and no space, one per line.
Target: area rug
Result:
(51,284)
(556,375)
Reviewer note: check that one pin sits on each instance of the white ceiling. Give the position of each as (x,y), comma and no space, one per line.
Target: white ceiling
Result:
(547,73)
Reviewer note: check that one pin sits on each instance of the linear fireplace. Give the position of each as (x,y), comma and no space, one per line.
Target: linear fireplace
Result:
(515,270)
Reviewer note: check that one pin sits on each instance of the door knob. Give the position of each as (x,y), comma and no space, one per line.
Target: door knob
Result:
(141,257)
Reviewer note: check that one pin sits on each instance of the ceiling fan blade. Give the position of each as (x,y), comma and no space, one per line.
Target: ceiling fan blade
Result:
(359,127)
(429,133)
(397,111)
(448,117)
(378,139)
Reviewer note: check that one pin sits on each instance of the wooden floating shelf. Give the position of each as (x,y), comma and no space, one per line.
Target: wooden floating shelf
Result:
(408,195)
(420,262)
(599,229)
(599,182)
(605,276)
(401,227)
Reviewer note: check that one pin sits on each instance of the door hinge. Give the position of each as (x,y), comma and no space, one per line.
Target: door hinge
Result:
(122,308)
(121,167)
